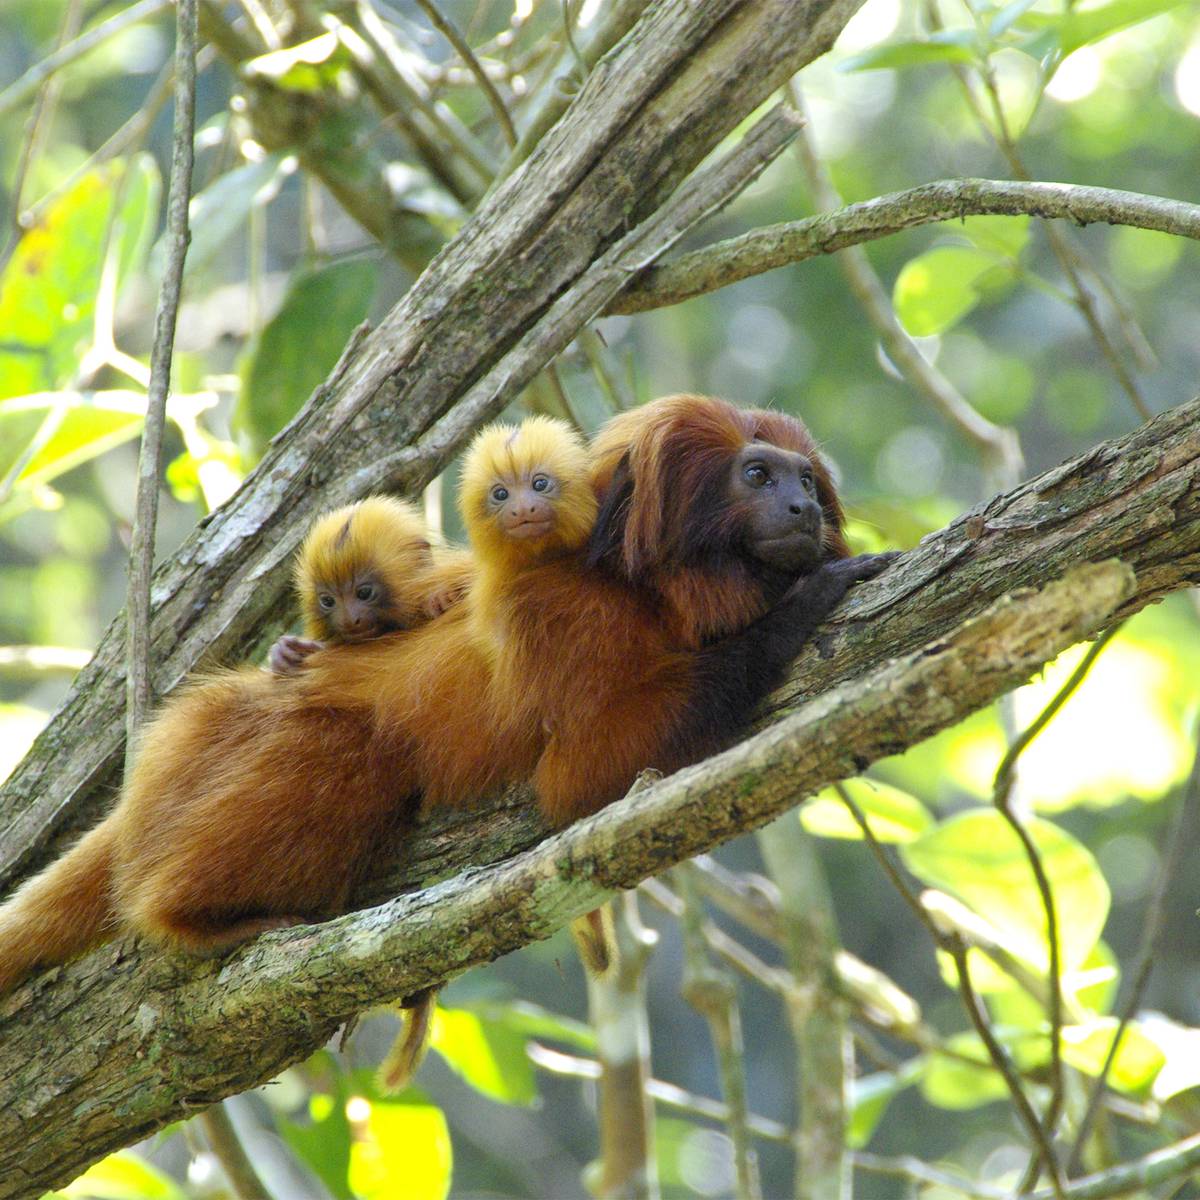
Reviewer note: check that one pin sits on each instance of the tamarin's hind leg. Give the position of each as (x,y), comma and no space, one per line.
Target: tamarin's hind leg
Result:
(211,941)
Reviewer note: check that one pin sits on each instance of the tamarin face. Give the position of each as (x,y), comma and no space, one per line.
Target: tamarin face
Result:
(524,507)
(356,608)
(775,491)
(526,492)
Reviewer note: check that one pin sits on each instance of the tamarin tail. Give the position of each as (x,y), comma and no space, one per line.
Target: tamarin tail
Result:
(402,1060)
(61,912)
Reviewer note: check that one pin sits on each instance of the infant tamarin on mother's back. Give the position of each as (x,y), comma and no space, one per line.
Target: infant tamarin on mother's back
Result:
(224,826)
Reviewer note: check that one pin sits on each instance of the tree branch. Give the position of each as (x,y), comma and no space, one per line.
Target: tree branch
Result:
(774,246)
(109,1048)
(650,111)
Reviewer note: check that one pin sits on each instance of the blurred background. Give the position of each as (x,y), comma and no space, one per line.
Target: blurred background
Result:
(279,274)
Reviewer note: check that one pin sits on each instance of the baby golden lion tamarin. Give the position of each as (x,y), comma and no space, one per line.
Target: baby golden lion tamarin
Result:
(368,569)
(185,856)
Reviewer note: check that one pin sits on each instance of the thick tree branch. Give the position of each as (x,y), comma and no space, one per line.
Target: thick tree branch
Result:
(651,109)
(774,246)
(114,1046)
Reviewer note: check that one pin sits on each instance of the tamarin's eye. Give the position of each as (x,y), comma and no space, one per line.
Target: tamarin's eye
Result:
(541,483)
(365,591)
(756,476)
(499,493)
(326,601)
(806,479)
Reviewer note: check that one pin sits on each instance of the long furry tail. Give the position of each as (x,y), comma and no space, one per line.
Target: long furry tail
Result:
(61,912)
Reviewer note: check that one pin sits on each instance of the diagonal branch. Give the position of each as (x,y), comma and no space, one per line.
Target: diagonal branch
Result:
(164,1034)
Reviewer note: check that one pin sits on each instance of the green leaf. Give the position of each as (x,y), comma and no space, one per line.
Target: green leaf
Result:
(953,1084)
(871,1094)
(977,857)
(1006,236)
(1084,26)
(300,346)
(533,1021)
(489,1054)
(1139,1059)
(936,290)
(124,1176)
(308,67)
(61,430)
(893,815)
(898,55)
(48,288)
(223,208)
(404,1151)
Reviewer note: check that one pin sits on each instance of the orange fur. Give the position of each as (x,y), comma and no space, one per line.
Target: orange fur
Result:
(257,801)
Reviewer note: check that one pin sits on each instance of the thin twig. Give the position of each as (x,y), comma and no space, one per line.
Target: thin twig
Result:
(1160,1166)
(1186,818)
(42,660)
(957,949)
(916,1171)
(450,32)
(1003,781)
(40,119)
(141,553)
(1001,798)
(669,1095)
(225,1144)
(817,1013)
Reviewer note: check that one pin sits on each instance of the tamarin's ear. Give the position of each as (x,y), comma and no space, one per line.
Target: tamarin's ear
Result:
(607,542)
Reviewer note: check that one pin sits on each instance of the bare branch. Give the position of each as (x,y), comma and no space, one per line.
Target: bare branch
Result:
(773,246)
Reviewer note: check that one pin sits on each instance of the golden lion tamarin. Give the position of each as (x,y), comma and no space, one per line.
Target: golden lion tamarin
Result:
(181,856)
(367,569)
(257,801)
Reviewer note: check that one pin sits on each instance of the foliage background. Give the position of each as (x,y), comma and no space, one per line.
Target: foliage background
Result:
(1122,112)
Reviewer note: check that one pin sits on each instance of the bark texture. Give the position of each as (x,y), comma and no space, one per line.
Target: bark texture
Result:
(114,1046)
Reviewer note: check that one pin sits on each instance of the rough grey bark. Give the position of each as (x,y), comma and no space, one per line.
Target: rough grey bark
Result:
(651,109)
(112,1047)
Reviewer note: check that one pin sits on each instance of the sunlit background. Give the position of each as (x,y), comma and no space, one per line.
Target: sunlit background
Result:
(990,307)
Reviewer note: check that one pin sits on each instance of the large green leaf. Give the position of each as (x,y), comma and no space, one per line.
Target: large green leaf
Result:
(300,345)
(487,1052)
(48,288)
(404,1150)
(1138,1061)
(978,857)
(934,291)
